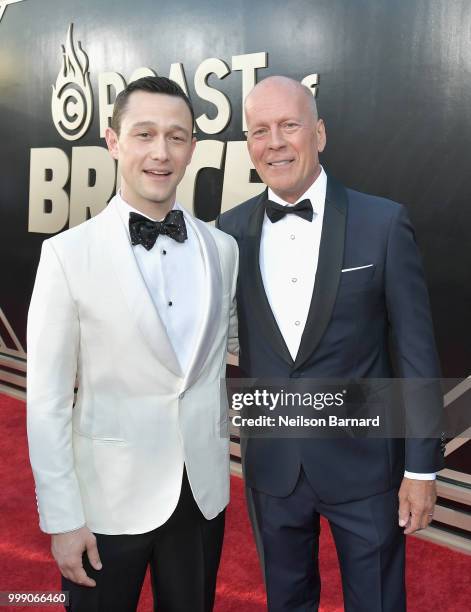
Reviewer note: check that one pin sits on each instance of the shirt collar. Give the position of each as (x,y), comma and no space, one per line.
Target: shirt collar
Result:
(316,193)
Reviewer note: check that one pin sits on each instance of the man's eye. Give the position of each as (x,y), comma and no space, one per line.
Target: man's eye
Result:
(177,138)
(291,125)
(259,133)
(144,135)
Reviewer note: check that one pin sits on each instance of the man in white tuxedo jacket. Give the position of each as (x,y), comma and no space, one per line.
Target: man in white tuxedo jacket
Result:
(136,307)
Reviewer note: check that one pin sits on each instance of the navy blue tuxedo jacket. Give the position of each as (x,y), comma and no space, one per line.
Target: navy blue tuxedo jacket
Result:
(353,320)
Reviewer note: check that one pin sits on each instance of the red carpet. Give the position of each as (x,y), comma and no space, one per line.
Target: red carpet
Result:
(438,579)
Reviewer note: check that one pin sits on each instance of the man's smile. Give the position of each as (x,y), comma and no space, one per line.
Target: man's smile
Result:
(158,174)
(280,163)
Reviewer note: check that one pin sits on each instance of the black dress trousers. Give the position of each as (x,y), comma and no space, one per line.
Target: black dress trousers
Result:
(183,555)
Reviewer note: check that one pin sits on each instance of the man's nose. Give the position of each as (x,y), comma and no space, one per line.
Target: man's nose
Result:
(276,139)
(159,149)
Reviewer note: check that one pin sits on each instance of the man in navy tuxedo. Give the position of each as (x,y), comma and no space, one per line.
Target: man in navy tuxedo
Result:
(329,280)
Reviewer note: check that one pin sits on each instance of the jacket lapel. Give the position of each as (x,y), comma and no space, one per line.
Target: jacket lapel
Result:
(329,269)
(142,311)
(211,295)
(250,266)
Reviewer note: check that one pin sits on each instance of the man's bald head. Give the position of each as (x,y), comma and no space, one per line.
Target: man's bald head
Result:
(272,84)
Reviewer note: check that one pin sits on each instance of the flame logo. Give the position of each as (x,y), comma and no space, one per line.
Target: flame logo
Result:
(72,98)
(4,4)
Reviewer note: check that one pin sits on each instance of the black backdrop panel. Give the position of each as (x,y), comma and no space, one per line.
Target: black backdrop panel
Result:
(394,91)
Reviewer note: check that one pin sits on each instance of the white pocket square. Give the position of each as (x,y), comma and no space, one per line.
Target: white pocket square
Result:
(359,268)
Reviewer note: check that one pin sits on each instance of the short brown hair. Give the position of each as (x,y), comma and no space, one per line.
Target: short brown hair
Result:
(151,84)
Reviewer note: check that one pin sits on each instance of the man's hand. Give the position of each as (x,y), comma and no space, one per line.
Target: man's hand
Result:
(68,548)
(416,503)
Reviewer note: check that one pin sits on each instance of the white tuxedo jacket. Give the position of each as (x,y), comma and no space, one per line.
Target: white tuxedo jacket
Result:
(114,461)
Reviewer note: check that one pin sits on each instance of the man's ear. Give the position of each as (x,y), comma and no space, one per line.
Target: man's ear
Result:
(193,145)
(321,135)
(112,142)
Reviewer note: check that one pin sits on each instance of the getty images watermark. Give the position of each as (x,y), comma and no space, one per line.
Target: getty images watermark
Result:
(328,408)
(271,401)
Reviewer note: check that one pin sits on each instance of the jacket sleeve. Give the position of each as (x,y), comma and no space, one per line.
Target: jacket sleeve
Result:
(53,348)
(233,339)
(416,354)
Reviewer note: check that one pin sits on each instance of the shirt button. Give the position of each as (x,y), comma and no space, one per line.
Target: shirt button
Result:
(297,322)
(164,252)
(292,236)
(294,280)
(170,303)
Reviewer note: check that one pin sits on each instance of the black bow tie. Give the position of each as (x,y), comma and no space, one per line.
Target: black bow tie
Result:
(145,231)
(275,211)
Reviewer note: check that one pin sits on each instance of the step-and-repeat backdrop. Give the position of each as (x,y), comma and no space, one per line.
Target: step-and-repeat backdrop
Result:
(392,81)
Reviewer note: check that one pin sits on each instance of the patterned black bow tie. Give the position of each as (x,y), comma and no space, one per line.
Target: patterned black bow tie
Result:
(275,211)
(145,231)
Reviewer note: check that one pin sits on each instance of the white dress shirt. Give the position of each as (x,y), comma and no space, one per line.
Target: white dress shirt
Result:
(289,254)
(174,275)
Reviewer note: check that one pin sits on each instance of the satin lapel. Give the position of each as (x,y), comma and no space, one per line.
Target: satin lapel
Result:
(252,277)
(211,292)
(329,269)
(142,311)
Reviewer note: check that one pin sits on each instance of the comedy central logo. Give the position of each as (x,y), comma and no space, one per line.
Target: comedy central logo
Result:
(72,97)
